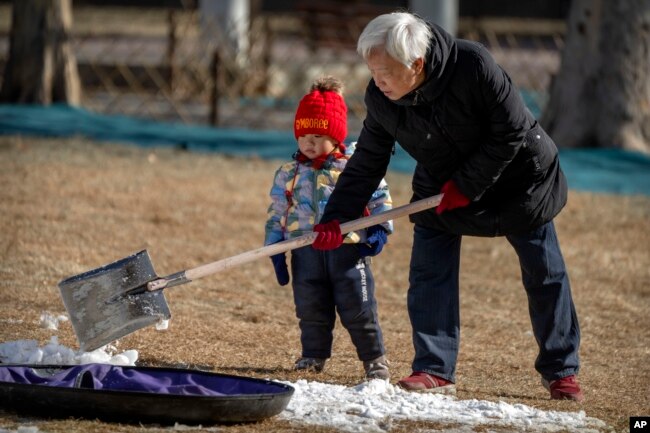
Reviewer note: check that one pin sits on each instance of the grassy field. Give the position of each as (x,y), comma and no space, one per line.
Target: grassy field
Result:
(68,206)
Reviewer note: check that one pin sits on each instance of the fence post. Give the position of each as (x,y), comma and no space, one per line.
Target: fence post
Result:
(171,48)
(214,97)
(266,55)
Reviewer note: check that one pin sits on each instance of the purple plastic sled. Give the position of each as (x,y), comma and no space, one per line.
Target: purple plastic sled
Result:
(139,394)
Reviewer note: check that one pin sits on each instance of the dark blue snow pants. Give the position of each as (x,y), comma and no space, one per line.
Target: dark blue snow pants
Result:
(326,282)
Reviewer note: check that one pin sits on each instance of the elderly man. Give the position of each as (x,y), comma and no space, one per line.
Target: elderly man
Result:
(457,113)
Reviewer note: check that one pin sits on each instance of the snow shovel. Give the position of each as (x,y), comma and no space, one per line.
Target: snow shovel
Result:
(112,301)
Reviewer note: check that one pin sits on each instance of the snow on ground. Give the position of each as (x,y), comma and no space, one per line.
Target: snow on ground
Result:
(369,407)
(372,407)
(22,429)
(28,352)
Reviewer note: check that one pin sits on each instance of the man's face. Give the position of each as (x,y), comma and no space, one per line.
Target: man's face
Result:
(392,77)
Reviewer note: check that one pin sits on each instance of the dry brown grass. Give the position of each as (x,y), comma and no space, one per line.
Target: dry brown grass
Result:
(68,206)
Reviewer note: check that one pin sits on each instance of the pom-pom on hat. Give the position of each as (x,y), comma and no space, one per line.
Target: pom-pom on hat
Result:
(323,111)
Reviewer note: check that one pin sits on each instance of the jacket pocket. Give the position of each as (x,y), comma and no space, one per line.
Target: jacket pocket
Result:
(540,149)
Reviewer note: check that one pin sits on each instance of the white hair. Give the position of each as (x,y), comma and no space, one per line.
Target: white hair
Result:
(404,36)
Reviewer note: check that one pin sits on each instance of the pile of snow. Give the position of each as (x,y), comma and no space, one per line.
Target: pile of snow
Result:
(50,321)
(373,406)
(22,429)
(369,407)
(29,352)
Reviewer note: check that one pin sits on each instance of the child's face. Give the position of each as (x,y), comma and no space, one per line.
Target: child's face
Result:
(313,145)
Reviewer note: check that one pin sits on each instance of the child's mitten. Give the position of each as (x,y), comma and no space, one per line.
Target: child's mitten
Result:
(376,238)
(281,270)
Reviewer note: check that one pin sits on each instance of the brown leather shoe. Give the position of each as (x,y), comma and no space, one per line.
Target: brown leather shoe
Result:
(310,364)
(425,382)
(566,388)
(377,368)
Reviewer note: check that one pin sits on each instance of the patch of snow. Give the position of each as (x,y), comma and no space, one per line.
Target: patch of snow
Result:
(29,352)
(368,407)
(372,406)
(50,321)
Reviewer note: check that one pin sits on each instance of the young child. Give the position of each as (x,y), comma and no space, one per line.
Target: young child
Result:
(327,281)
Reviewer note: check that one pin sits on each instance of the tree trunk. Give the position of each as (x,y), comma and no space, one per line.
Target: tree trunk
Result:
(41,68)
(601,95)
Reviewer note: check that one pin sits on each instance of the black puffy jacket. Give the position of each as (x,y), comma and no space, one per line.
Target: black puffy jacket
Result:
(466,122)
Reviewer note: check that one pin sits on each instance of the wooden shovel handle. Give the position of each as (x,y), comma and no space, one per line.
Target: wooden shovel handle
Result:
(288,245)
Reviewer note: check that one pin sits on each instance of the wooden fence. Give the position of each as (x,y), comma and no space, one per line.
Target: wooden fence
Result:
(189,73)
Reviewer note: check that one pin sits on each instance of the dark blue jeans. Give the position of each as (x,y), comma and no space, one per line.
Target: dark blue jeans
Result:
(433,301)
(325,282)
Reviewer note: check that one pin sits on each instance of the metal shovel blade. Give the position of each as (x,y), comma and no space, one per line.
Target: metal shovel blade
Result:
(101,307)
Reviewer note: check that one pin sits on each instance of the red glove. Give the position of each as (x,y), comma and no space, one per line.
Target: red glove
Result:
(329,236)
(452,197)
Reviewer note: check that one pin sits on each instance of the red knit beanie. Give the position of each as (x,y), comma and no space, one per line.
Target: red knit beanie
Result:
(322,112)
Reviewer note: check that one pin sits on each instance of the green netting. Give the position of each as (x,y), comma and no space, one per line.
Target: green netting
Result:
(598,170)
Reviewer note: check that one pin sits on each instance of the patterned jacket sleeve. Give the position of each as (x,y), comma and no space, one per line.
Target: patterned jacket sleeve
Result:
(277,209)
(381,201)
